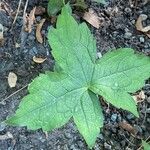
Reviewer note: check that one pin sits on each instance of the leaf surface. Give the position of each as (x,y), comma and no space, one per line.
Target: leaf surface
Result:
(55,97)
(119,73)
(145,145)
(72,89)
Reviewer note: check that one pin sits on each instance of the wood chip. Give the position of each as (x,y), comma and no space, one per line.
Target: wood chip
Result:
(12,79)
(139,25)
(40,10)
(30,20)
(126,126)
(38,60)
(38,31)
(140,97)
(92,18)
(1,35)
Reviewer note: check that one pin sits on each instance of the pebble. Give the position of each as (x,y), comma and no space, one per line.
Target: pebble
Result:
(148,110)
(148,100)
(130,116)
(127,35)
(31,37)
(142,40)
(114,117)
(100,136)
(2,127)
(128,10)
(38,18)
(33,51)
(107,146)
(138,128)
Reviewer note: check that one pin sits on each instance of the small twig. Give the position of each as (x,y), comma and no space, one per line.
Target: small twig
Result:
(25,8)
(20,1)
(13,94)
(23,35)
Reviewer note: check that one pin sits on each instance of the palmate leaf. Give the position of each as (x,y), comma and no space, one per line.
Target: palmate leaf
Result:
(71,90)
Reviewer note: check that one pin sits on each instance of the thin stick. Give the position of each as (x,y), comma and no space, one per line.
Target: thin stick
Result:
(20,1)
(13,93)
(25,8)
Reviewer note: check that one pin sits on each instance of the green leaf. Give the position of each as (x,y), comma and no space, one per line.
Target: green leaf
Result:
(145,145)
(71,90)
(119,73)
(55,97)
(54,6)
(100,1)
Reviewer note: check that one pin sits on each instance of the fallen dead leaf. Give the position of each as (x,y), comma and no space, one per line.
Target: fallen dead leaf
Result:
(38,60)
(40,10)
(1,35)
(30,20)
(12,79)
(92,18)
(6,136)
(139,25)
(126,126)
(139,97)
(38,31)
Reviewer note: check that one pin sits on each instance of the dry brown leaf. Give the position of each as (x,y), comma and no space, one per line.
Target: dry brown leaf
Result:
(139,97)
(92,18)
(1,35)
(12,79)
(38,60)
(126,126)
(40,10)
(38,31)
(139,25)
(30,20)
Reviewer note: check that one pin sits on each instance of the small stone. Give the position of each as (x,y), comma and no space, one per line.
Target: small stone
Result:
(99,55)
(128,10)
(138,128)
(33,51)
(101,136)
(148,100)
(114,117)
(38,18)
(107,146)
(148,110)
(142,39)
(130,116)
(2,127)
(127,35)
(31,37)
(148,120)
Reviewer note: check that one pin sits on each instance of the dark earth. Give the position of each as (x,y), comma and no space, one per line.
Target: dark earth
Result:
(117,30)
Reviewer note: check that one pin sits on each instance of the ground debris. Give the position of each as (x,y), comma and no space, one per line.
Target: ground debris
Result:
(30,21)
(38,31)
(140,27)
(12,79)
(92,18)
